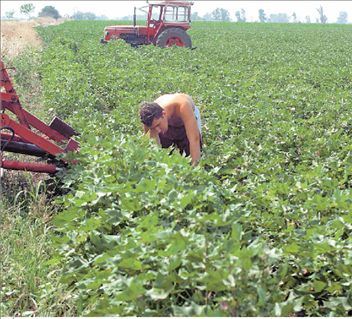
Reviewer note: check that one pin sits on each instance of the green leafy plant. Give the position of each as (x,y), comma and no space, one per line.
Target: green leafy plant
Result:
(262,227)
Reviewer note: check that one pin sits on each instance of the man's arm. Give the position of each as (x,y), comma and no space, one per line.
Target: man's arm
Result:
(192,131)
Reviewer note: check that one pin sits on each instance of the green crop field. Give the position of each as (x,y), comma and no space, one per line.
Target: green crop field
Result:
(262,227)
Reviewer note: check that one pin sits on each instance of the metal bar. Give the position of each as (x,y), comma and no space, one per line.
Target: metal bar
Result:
(23,148)
(148,22)
(30,136)
(6,137)
(8,97)
(42,127)
(134,17)
(38,124)
(28,166)
(18,110)
(6,84)
(5,79)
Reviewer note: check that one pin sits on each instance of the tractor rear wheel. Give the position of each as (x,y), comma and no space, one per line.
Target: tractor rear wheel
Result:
(174,36)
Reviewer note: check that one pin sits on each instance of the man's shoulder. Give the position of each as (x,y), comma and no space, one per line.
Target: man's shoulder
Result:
(164,99)
(175,102)
(182,96)
(182,100)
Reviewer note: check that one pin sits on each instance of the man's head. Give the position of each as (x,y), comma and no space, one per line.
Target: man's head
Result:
(153,116)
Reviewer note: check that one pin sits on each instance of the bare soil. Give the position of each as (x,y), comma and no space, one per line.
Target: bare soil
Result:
(20,34)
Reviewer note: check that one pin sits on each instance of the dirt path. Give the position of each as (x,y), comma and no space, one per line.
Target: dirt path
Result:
(18,35)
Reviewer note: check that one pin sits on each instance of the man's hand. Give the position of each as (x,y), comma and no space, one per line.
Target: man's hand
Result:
(194,147)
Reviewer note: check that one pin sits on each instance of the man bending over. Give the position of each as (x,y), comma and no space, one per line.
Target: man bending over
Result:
(174,120)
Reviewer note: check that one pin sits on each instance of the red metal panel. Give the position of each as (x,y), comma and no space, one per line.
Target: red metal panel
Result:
(72,145)
(184,25)
(60,126)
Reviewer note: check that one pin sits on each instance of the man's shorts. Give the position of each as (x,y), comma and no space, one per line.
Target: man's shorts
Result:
(197,115)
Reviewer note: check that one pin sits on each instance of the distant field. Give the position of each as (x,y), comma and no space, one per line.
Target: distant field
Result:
(261,228)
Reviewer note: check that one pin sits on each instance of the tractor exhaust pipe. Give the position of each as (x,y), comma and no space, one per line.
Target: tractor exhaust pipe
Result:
(134,17)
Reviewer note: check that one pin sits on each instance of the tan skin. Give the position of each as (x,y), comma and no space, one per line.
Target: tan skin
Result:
(178,110)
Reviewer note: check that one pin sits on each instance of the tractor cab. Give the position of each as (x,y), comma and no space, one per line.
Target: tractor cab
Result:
(168,14)
(166,25)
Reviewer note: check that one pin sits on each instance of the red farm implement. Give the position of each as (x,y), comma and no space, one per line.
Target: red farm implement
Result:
(30,136)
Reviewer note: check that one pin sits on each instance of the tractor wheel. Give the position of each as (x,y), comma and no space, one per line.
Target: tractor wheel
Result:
(174,36)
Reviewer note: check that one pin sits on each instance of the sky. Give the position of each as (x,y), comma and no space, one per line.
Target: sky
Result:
(118,9)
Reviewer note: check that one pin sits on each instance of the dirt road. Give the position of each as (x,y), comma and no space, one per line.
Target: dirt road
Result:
(20,34)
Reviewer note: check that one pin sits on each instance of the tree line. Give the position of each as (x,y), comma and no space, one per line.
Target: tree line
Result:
(219,14)
(27,9)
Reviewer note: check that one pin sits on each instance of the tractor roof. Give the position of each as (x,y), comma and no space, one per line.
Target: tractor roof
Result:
(172,3)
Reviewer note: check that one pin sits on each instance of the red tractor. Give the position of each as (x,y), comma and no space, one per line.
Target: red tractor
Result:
(167,23)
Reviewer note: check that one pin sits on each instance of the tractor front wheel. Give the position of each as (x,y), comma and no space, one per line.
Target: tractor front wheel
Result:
(174,36)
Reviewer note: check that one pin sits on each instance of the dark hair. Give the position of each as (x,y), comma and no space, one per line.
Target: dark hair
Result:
(150,111)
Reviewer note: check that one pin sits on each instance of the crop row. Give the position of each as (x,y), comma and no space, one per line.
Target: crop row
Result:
(262,226)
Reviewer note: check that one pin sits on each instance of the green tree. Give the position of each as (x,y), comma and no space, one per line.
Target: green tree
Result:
(294,16)
(195,16)
(49,11)
(220,14)
(9,14)
(27,9)
(83,16)
(207,16)
(322,17)
(104,17)
(342,18)
(279,18)
(262,16)
(238,16)
(241,15)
